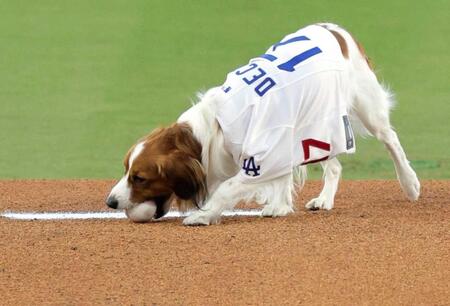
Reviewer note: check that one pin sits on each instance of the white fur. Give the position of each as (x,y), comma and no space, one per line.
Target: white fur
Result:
(136,152)
(122,190)
(331,174)
(368,108)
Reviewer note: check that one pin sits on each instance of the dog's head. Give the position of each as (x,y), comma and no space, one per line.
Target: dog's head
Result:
(163,167)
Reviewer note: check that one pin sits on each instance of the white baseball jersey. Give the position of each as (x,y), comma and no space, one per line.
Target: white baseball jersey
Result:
(287,107)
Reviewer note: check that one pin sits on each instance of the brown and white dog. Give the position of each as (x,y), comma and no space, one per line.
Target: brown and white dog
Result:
(188,162)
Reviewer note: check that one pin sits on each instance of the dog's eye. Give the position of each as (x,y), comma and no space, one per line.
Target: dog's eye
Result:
(138,179)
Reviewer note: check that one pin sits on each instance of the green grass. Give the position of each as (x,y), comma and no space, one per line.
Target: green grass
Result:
(80,81)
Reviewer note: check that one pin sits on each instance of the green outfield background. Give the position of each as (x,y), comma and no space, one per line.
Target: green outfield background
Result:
(81,80)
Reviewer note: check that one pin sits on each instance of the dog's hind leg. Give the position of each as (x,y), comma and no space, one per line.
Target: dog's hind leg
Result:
(372,107)
(331,174)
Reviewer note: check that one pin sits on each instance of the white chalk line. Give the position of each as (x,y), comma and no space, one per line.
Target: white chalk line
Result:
(90,215)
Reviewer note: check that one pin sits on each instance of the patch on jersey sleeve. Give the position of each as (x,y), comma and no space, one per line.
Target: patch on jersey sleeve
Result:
(348,133)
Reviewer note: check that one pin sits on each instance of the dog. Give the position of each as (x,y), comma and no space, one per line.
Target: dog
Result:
(252,138)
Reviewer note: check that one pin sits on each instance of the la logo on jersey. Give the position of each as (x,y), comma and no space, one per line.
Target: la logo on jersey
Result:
(250,167)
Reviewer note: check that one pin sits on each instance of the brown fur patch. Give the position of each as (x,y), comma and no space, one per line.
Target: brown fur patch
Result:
(170,163)
(342,43)
(363,53)
(344,47)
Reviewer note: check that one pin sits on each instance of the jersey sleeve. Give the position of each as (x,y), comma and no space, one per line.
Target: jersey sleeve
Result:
(267,155)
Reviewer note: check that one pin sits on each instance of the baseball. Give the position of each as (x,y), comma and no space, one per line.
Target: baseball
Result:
(143,212)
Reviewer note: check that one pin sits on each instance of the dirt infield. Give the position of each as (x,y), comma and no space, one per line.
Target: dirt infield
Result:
(374,248)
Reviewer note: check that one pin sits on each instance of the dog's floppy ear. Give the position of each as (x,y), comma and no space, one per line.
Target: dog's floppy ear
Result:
(185,176)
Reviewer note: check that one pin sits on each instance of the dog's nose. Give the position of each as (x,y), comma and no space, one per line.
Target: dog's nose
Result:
(112,202)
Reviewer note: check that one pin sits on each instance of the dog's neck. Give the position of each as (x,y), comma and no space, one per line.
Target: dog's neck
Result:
(216,160)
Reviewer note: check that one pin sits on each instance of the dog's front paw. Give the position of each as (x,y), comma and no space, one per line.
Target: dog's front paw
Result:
(200,218)
(319,203)
(276,210)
